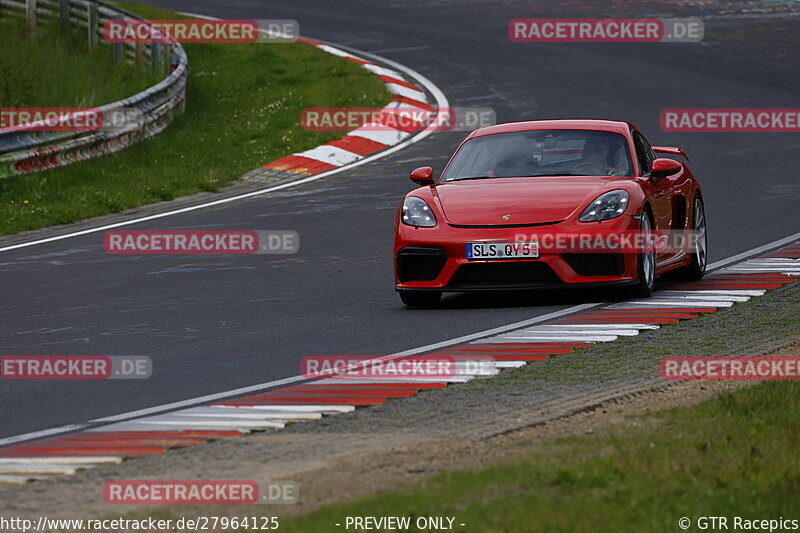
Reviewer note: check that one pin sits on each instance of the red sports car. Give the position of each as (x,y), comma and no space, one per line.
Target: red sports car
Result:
(524,205)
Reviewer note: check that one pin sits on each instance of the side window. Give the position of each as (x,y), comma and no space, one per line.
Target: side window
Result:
(644,153)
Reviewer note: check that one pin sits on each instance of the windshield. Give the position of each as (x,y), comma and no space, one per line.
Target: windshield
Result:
(541,153)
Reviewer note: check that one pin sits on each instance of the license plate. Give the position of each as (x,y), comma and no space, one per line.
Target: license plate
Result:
(502,250)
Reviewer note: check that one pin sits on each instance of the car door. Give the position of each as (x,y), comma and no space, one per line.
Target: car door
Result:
(660,192)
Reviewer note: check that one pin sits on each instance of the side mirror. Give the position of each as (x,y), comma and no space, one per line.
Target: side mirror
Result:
(422,176)
(664,167)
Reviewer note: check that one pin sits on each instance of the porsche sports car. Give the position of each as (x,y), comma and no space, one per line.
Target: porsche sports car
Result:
(509,188)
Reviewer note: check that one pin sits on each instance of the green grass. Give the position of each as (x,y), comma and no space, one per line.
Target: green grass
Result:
(55,69)
(242,111)
(735,455)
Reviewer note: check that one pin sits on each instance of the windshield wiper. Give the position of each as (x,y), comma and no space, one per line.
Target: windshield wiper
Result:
(470,178)
(556,174)
(531,176)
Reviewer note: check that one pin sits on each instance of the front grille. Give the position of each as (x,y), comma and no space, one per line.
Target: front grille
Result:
(503,275)
(419,264)
(495,226)
(595,264)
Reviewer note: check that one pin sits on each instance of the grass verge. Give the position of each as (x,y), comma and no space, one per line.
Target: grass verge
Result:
(70,73)
(242,111)
(731,456)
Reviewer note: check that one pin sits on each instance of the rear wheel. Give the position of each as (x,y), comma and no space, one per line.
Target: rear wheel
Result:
(646,267)
(421,298)
(697,268)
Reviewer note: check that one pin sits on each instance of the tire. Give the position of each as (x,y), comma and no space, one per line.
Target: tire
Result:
(424,299)
(646,265)
(695,270)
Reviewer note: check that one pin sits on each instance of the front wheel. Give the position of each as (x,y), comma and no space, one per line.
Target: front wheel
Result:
(421,298)
(646,265)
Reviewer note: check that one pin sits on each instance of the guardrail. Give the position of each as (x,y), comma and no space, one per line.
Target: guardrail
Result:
(23,150)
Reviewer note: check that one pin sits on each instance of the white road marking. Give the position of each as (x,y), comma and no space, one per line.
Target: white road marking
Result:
(601,326)
(333,155)
(765,270)
(590,332)
(792,263)
(191,421)
(382,71)
(53,467)
(402,90)
(324,409)
(82,460)
(711,293)
(335,51)
(135,425)
(633,304)
(772,260)
(521,337)
(213,418)
(611,326)
(693,297)
(379,133)
(511,364)
(242,412)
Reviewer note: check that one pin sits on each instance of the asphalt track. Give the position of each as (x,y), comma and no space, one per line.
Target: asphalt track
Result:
(213,324)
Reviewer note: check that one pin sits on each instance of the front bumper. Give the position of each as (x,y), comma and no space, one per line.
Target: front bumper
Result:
(434,259)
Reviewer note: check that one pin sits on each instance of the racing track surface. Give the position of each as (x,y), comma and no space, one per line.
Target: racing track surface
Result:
(227,322)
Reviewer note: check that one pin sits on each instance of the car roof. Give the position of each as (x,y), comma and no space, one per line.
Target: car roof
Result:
(561,124)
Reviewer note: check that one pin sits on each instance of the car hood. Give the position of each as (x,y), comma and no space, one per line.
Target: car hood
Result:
(513,201)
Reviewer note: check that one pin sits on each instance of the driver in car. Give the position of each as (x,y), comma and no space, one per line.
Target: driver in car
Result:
(595,159)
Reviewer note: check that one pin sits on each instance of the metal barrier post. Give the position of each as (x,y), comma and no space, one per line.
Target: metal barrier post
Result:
(117,49)
(91,12)
(117,52)
(30,15)
(167,58)
(156,58)
(63,13)
(138,53)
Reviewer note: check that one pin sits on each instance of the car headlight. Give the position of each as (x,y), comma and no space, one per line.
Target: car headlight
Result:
(417,213)
(606,206)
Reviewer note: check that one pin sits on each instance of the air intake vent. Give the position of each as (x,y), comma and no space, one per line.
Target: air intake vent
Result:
(420,264)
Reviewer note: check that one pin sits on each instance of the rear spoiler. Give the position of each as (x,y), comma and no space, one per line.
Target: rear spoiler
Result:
(670,150)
